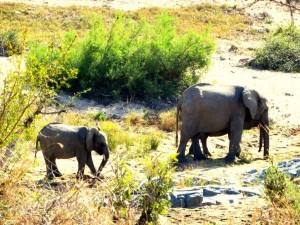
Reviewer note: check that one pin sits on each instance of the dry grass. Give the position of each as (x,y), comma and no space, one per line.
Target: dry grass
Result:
(51,23)
(167,121)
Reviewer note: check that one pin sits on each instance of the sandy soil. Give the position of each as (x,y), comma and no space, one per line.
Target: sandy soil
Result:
(281,90)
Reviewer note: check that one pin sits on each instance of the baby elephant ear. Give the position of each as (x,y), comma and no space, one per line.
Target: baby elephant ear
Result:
(250,99)
(89,138)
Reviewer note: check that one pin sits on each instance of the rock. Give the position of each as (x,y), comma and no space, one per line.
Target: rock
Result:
(207,191)
(232,191)
(193,200)
(187,197)
(233,48)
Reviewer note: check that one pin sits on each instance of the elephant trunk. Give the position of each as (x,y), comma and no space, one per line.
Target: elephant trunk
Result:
(104,160)
(261,138)
(266,140)
(265,133)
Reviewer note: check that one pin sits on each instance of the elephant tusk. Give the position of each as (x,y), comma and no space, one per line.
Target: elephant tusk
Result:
(264,127)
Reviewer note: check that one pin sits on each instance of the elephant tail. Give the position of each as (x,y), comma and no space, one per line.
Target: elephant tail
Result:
(36,145)
(177,120)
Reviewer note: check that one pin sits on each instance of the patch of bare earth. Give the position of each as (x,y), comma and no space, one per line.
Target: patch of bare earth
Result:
(281,89)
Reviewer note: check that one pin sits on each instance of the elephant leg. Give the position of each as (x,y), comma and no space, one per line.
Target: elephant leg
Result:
(49,161)
(55,169)
(236,130)
(82,160)
(238,153)
(191,150)
(188,130)
(203,138)
(90,163)
(181,149)
(198,155)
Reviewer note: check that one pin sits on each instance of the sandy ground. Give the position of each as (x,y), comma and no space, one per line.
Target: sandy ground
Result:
(281,89)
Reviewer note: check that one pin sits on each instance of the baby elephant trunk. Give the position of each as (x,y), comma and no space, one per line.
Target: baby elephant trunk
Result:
(104,160)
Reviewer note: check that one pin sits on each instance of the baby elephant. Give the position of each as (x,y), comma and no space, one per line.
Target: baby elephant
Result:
(60,141)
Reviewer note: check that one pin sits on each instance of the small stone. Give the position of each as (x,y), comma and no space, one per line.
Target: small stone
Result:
(233,48)
(193,200)
(210,192)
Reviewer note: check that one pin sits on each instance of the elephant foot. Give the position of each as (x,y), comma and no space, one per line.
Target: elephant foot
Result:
(182,159)
(50,176)
(207,154)
(57,174)
(230,158)
(200,157)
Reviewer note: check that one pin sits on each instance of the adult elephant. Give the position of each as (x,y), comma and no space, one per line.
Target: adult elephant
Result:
(61,141)
(207,108)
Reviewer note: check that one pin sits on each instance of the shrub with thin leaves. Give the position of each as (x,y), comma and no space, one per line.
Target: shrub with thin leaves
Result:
(10,43)
(283,194)
(281,51)
(122,186)
(139,58)
(154,190)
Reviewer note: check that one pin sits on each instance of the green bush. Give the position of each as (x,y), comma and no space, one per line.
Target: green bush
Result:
(139,58)
(155,189)
(282,192)
(10,44)
(281,51)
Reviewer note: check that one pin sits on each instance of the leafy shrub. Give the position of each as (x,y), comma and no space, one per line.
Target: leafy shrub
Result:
(122,186)
(154,190)
(139,58)
(100,116)
(284,195)
(10,44)
(281,51)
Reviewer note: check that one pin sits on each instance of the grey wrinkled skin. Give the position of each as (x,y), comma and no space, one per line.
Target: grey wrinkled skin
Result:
(60,141)
(248,124)
(209,110)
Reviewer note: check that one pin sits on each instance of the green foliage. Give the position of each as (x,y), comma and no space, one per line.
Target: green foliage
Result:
(282,192)
(155,190)
(123,184)
(139,58)
(100,116)
(281,51)
(23,93)
(113,133)
(10,44)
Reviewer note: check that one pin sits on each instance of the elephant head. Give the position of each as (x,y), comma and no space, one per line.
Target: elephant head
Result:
(258,108)
(96,140)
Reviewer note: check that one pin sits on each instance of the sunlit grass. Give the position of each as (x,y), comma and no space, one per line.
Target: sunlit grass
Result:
(51,23)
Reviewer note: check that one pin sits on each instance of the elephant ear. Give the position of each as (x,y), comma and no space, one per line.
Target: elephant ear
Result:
(250,99)
(89,138)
